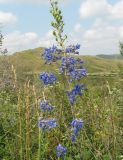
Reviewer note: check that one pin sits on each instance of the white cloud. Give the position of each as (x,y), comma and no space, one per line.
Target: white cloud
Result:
(3,1)
(93,7)
(47,40)
(7,18)
(95,40)
(103,36)
(90,8)
(121,32)
(98,22)
(116,11)
(32,1)
(99,38)
(77,27)
(108,32)
(22,1)
(17,41)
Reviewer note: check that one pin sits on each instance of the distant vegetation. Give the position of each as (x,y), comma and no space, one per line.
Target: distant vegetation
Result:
(112,56)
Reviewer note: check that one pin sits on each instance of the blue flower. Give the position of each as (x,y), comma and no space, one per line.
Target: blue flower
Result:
(47,124)
(68,50)
(48,78)
(77,90)
(77,74)
(53,49)
(67,64)
(73,138)
(73,68)
(73,49)
(77,124)
(51,54)
(61,151)
(45,106)
(77,46)
(75,130)
(67,61)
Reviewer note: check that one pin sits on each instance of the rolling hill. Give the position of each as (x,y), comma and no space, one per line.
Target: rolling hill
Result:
(31,61)
(113,56)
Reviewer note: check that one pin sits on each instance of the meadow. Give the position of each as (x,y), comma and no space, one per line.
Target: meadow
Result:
(58,105)
(100,107)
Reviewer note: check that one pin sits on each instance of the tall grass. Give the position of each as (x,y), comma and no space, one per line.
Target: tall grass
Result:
(101,109)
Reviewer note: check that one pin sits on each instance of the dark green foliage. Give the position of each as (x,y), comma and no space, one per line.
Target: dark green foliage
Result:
(58,23)
(111,56)
(1,39)
(121,48)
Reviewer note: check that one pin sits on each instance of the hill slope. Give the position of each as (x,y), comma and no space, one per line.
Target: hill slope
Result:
(113,56)
(31,61)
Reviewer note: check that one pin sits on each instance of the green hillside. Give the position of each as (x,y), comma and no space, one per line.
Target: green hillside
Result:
(31,61)
(113,56)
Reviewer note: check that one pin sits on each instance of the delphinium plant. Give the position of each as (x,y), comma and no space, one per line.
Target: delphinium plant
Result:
(62,89)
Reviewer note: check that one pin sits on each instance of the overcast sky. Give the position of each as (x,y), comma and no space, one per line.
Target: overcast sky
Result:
(95,24)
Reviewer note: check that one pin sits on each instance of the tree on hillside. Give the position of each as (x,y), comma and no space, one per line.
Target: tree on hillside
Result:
(5,65)
(2,51)
(121,48)
(1,39)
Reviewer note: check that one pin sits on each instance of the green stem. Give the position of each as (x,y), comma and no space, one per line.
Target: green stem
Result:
(20,127)
(39,144)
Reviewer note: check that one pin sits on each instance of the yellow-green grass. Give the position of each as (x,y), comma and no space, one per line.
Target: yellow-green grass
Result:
(31,61)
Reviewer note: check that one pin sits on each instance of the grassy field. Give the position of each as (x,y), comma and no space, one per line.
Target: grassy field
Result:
(101,109)
(30,60)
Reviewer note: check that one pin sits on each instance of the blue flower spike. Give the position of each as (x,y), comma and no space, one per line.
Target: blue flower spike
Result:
(77,90)
(47,124)
(77,124)
(61,151)
(48,78)
(45,106)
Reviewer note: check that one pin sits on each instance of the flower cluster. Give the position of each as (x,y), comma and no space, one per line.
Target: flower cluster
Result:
(61,150)
(77,124)
(47,124)
(73,49)
(48,78)
(44,105)
(73,67)
(76,74)
(51,54)
(77,90)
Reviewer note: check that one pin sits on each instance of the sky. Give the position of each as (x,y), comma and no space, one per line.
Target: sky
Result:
(97,25)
